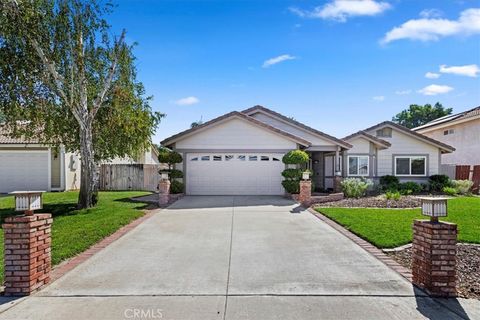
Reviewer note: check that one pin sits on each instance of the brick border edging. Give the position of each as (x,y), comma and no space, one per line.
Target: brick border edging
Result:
(365,245)
(64,267)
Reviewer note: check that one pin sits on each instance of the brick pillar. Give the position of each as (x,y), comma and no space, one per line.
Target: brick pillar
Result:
(305,194)
(164,192)
(27,253)
(337,187)
(434,257)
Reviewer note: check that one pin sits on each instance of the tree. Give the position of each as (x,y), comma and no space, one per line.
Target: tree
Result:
(417,115)
(66,80)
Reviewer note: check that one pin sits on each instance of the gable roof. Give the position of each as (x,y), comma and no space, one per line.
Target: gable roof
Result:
(5,137)
(369,137)
(450,118)
(443,146)
(238,115)
(316,132)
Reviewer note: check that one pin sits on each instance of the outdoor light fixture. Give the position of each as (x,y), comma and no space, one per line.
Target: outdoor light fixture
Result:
(28,201)
(434,207)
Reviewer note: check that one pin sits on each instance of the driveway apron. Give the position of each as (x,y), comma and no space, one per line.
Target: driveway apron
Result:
(232,257)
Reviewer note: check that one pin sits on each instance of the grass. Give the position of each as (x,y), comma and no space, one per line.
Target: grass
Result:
(389,228)
(74,231)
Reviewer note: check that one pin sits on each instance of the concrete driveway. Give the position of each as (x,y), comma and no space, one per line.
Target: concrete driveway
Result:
(234,258)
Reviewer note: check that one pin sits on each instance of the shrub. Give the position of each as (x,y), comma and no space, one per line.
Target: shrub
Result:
(295,174)
(393,195)
(355,187)
(439,181)
(295,157)
(176,187)
(175,174)
(462,186)
(389,182)
(410,187)
(291,186)
(451,191)
(169,157)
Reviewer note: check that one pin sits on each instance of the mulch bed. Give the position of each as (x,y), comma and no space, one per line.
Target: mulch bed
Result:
(375,202)
(468,268)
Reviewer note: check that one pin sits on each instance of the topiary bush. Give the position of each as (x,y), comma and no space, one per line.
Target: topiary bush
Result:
(291,186)
(439,181)
(176,187)
(295,174)
(175,174)
(389,182)
(295,157)
(355,187)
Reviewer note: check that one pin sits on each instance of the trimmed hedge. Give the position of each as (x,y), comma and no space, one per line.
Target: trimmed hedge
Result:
(295,157)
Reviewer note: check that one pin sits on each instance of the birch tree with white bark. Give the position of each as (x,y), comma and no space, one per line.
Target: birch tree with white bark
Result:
(65,79)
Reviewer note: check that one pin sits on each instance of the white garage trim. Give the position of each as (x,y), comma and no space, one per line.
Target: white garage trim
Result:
(229,173)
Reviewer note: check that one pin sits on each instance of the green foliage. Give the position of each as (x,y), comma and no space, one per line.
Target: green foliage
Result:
(409,187)
(393,195)
(295,157)
(439,181)
(294,174)
(176,187)
(390,228)
(169,157)
(417,115)
(291,186)
(451,191)
(462,187)
(389,182)
(355,187)
(175,174)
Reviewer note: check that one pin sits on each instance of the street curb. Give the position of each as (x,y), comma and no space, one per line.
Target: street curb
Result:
(365,245)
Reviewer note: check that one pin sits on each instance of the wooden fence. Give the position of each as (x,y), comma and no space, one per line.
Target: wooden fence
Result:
(463,172)
(129,177)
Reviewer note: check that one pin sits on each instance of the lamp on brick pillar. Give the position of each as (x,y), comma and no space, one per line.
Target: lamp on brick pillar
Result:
(163,189)
(27,245)
(434,250)
(305,194)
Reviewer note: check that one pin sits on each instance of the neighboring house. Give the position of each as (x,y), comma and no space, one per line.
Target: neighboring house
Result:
(461,130)
(240,153)
(29,165)
(391,149)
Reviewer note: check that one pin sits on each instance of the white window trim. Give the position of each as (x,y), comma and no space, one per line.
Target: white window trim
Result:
(410,166)
(358,168)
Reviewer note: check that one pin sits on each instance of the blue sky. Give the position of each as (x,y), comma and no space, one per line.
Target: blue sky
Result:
(339,66)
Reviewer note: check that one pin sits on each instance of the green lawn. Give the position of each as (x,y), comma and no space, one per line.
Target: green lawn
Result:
(74,231)
(389,228)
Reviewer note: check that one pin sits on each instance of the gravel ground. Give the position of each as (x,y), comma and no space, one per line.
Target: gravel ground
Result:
(468,271)
(375,202)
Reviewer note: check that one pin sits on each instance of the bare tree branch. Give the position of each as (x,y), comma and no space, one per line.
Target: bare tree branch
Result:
(108,80)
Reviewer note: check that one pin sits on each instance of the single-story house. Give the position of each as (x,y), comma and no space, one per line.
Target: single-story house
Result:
(29,165)
(461,130)
(240,153)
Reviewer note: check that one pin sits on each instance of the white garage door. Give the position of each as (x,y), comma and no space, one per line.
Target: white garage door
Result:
(234,174)
(23,171)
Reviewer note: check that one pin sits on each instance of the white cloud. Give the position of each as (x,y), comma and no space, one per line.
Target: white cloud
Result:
(341,10)
(434,89)
(188,101)
(432,75)
(470,70)
(379,98)
(403,92)
(430,29)
(431,13)
(284,57)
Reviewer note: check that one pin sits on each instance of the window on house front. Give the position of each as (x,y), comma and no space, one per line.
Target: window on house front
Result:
(217,158)
(252,158)
(448,131)
(205,158)
(358,165)
(228,158)
(194,159)
(410,166)
(241,158)
(275,159)
(264,158)
(384,132)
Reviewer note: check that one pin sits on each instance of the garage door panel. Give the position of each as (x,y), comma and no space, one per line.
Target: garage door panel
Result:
(23,171)
(234,174)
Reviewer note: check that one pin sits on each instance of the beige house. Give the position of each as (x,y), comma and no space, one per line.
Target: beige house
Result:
(462,131)
(29,165)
